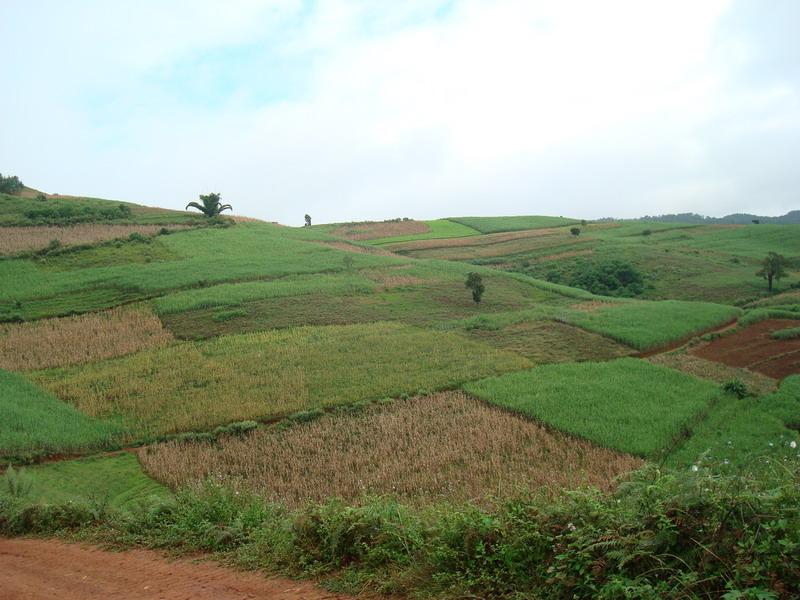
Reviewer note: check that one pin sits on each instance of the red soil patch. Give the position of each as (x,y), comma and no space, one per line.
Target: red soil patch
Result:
(753,348)
(46,569)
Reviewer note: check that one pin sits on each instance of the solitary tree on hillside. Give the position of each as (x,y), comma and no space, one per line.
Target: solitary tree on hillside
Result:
(576,231)
(475,283)
(772,267)
(308,220)
(211,205)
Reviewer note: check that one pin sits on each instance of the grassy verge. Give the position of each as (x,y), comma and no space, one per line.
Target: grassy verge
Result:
(693,536)
(627,404)
(34,422)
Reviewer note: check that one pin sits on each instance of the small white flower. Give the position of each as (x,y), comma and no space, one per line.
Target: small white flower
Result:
(571,527)
(771,444)
(792,444)
(695,468)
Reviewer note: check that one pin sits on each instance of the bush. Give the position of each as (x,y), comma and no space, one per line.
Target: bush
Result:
(606,278)
(11,184)
(693,534)
(735,387)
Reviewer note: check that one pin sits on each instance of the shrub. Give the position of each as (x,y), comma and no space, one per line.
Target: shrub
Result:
(735,387)
(607,278)
(576,231)
(474,283)
(10,184)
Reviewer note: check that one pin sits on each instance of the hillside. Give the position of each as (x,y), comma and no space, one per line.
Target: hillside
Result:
(330,401)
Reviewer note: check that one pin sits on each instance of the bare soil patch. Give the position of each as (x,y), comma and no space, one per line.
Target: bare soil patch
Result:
(374,231)
(47,569)
(753,348)
(446,446)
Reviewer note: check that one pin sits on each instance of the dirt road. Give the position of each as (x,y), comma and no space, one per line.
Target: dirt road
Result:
(48,569)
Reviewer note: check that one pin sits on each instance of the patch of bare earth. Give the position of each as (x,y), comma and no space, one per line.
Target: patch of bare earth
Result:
(48,569)
(74,340)
(715,371)
(753,348)
(446,446)
(15,240)
(376,230)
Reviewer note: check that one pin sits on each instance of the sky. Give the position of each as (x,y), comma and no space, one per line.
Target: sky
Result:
(366,110)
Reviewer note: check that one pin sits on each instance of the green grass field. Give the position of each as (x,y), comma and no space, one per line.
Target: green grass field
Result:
(196,386)
(501,224)
(116,481)
(34,422)
(626,404)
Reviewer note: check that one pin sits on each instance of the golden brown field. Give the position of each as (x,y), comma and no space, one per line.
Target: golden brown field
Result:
(80,339)
(374,231)
(446,446)
(14,240)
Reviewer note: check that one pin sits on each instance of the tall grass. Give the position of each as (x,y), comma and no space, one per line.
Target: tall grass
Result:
(198,385)
(626,404)
(36,423)
(73,340)
(423,450)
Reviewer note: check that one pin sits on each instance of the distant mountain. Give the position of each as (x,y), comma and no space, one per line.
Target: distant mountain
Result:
(792,217)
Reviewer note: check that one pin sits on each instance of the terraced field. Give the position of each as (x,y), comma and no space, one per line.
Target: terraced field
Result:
(318,368)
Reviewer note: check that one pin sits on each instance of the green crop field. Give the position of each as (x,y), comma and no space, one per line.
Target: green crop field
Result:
(103,277)
(626,404)
(501,224)
(260,370)
(196,386)
(439,229)
(34,422)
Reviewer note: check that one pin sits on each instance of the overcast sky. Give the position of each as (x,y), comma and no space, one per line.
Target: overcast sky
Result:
(358,109)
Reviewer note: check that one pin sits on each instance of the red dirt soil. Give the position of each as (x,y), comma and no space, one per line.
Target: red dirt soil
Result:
(47,569)
(754,349)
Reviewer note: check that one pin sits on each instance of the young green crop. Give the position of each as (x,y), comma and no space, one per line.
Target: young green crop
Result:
(626,404)
(501,224)
(116,481)
(34,422)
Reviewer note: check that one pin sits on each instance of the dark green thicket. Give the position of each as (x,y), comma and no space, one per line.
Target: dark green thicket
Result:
(690,535)
(607,278)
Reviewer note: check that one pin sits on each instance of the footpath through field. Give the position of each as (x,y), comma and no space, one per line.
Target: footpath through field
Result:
(47,569)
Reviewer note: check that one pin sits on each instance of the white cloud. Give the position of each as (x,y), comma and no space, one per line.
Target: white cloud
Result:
(581,108)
